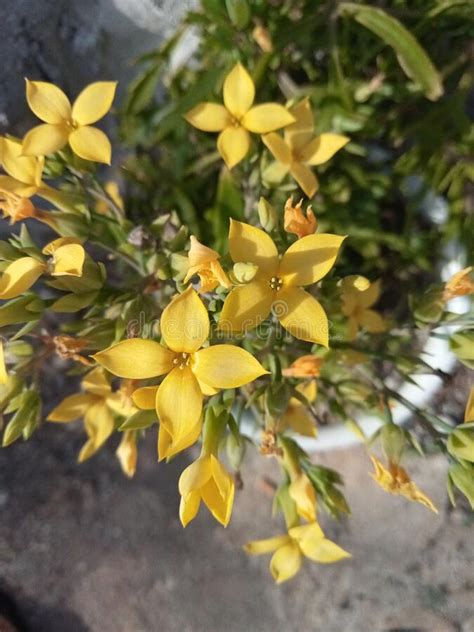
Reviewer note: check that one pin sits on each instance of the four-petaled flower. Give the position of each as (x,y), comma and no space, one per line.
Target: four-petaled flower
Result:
(236,118)
(358,296)
(300,149)
(288,550)
(206,479)
(204,262)
(96,405)
(395,480)
(191,371)
(277,283)
(67,259)
(65,123)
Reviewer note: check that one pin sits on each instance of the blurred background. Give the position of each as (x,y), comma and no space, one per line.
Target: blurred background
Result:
(84,549)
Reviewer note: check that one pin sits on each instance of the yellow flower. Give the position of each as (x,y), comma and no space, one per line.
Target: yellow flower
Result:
(288,550)
(96,405)
(236,118)
(127,453)
(203,261)
(300,149)
(305,366)
(67,259)
(191,371)
(396,481)
(296,222)
(65,123)
(21,181)
(358,296)
(206,479)
(297,417)
(277,284)
(300,489)
(459,284)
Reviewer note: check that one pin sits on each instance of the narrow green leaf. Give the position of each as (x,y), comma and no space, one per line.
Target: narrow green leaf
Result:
(412,57)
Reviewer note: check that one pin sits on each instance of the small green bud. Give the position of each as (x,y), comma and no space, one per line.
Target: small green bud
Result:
(393,442)
(267,215)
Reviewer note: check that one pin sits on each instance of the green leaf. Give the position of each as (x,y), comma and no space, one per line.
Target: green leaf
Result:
(462,344)
(239,12)
(411,56)
(74,302)
(140,420)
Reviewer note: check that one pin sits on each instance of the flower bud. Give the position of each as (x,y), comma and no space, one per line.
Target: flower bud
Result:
(267,215)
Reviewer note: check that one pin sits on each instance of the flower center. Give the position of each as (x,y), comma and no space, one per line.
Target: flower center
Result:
(234,121)
(182,360)
(276,283)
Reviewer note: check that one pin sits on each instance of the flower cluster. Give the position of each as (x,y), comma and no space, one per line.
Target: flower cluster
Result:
(268,323)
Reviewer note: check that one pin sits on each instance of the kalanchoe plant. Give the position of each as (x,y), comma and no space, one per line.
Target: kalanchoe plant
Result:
(202,300)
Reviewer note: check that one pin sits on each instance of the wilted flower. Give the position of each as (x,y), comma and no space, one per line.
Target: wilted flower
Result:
(395,480)
(204,262)
(305,366)
(296,222)
(459,284)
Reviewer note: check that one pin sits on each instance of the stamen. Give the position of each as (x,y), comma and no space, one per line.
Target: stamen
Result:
(276,284)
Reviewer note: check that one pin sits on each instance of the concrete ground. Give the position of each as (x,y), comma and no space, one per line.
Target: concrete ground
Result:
(84,549)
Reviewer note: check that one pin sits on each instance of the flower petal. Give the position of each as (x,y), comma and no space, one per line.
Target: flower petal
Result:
(370,296)
(322,148)
(286,562)
(22,168)
(99,425)
(179,402)
(302,315)
(97,382)
(260,547)
(252,245)
(136,359)
(189,507)
(267,117)
(302,493)
(226,366)
(184,322)
(168,445)
(301,131)
(275,172)
(127,453)
(145,397)
(208,117)
(372,321)
(19,276)
(72,407)
(322,550)
(195,476)
(246,307)
(93,102)
(310,258)
(69,260)
(233,145)
(48,102)
(278,148)
(91,143)
(298,419)
(45,139)
(220,506)
(305,178)
(239,91)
